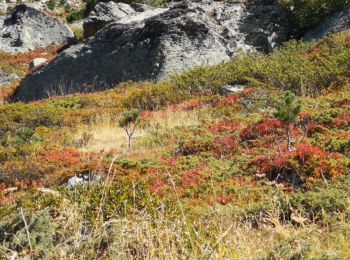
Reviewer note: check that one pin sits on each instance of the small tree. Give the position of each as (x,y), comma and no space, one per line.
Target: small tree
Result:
(129,121)
(287,111)
(51,4)
(67,8)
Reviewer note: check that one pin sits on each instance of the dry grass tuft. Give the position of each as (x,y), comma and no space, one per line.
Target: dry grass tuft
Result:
(105,135)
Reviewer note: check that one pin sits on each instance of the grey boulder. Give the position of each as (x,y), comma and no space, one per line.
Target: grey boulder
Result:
(338,22)
(176,39)
(104,13)
(27,28)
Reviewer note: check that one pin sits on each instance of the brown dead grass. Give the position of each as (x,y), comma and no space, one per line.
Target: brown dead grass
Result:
(105,135)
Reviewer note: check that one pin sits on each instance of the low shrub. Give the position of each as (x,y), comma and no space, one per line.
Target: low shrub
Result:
(303,68)
(305,14)
(305,164)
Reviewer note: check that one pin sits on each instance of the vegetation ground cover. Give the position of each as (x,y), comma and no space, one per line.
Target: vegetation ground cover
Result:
(207,176)
(18,64)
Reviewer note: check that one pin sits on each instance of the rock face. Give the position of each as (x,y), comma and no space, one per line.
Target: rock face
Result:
(176,39)
(7,78)
(337,23)
(104,13)
(27,28)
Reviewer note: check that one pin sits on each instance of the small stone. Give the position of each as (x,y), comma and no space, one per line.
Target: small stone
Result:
(84,178)
(36,62)
(229,89)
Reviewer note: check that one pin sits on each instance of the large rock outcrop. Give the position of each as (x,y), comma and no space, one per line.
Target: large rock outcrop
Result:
(338,22)
(179,38)
(105,13)
(27,28)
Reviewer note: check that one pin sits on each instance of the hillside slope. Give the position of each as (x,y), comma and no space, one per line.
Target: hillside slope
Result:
(255,174)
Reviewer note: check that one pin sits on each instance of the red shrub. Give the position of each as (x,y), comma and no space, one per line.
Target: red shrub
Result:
(262,163)
(224,126)
(225,144)
(228,100)
(262,128)
(171,161)
(158,185)
(342,120)
(145,115)
(192,177)
(306,163)
(67,157)
(187,105)
(224,199)
(344,103)
(191,104)
(248,91)
(305,151)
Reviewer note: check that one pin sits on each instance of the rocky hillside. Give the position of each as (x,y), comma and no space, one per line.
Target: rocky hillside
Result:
(234,144)
(230,166)
(153,44)
(141,42)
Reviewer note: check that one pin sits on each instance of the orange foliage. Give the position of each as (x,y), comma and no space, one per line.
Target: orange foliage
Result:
(67,157)
(342,120)
(192,178)
(6,91)
(224,126)
(25,58)
(307,161)
(187,105)
(263,128)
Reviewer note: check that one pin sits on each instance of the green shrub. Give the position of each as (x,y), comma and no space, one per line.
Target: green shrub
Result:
(25,135)
(51,4)
(304,14)
(67,8)
(322,201)
(119,199)
(148,96)
(303,68)
(14,233)
(75,15)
